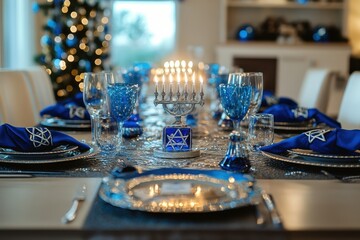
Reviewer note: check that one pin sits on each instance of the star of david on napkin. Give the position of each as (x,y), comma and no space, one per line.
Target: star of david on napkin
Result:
(336,141)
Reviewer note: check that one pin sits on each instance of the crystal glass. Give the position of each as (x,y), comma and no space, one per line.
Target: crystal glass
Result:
(94,96)
(122,98)
(107,135)
(256,81)
(261,130)
(236,99)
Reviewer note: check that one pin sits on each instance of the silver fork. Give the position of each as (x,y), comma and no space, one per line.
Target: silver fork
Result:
(80,196)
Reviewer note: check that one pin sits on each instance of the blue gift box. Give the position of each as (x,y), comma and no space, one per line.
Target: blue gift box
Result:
(177,139)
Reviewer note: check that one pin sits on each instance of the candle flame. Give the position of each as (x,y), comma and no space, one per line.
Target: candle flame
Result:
(177,63)
(183,64)
(166,65)
(171,79)
(178,77)
(172,64)
(190,64)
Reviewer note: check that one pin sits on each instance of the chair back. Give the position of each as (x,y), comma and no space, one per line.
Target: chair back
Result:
(314,92)
(17,104)
(349,112)
(41,85)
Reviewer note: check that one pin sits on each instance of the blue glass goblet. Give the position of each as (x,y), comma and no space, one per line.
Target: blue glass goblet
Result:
(235,100)
(122,98)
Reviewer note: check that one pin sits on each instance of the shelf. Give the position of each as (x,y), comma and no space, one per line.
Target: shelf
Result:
(286,5)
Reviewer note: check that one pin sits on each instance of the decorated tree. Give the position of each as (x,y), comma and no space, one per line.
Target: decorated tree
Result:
(76,40)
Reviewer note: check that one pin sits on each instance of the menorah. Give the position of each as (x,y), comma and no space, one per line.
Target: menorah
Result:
(179,97)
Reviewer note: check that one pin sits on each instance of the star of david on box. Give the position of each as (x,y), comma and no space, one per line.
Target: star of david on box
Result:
(177,139)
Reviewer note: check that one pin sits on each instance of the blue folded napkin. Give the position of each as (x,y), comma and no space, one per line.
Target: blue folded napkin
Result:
(326,141)
(77,100)
(269,99)
(284,113)
(70,112)
(35,139)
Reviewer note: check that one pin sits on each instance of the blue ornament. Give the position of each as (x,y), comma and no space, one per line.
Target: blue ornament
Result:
(56,63)
(46,40)
(246,32)
(85,64)
(51,24)
(302,1)
(58,50)
(71,42)
(320,34)
(35,7)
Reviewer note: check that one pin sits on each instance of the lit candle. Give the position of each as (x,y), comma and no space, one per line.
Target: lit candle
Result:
(171,83)
(156,80)
(186,86)
(178,84)
(163,87)
(201,84)
(193,86)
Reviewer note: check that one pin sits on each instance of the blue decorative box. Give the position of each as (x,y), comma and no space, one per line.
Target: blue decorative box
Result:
(177,139)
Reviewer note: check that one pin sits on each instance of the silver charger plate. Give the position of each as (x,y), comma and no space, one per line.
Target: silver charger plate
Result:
(65,123)
(178,193)
(71,156)
(310,153)
(314,161)
(54,152)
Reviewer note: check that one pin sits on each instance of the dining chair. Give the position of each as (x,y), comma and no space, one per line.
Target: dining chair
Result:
(17,104)
(349,114)
(314,91)
(41,86)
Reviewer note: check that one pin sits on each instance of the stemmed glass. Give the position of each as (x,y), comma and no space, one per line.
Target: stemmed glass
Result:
(236,99)
(256,81)
(94,96)
(122,98)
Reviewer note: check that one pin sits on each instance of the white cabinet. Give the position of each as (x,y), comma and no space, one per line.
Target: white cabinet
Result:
(292,60)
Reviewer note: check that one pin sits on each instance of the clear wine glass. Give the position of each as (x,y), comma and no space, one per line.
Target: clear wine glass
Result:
(236,99)
(256,81)
(122,98)
(94,96)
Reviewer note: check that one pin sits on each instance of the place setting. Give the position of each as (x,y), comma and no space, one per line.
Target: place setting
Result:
(68,115)
(329,148)
(39,145)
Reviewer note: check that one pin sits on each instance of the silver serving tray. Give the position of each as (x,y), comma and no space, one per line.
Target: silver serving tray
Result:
(314,161)
(178,193)
(310,153)
(67,157)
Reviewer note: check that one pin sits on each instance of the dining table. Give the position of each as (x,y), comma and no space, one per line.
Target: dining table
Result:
(311,201)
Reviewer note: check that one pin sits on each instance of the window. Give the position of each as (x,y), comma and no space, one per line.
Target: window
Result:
(142,31)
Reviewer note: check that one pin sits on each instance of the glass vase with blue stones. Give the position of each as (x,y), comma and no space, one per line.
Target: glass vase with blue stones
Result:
(136,76)
(122,98)
(235,98)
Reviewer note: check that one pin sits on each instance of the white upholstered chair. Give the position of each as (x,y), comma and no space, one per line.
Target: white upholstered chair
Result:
(349,112)
(314,92)
(41,86)
(17,104)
